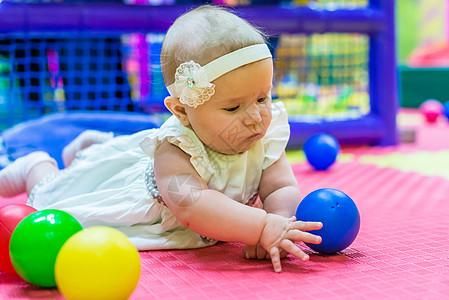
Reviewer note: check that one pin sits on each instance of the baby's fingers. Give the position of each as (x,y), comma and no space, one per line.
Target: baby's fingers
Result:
(307,226)
(275,259)
(291,248)
(299,236)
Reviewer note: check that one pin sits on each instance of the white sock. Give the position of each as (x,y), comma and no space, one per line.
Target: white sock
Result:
(13,177)
(82,141)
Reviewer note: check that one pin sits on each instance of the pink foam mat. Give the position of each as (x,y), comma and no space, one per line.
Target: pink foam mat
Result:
(401,251)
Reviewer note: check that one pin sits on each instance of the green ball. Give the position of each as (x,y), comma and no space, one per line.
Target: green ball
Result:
(35,244)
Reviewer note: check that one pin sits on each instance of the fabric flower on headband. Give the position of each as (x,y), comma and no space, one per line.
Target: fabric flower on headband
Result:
(192,84)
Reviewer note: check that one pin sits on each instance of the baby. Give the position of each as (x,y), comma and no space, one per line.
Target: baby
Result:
(194,180)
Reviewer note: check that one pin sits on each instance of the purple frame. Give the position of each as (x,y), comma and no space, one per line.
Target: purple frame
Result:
(377,21)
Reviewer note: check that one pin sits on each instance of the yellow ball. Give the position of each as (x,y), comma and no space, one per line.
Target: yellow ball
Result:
(97,263)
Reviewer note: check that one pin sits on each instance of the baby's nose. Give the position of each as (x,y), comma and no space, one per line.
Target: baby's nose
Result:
(253,116)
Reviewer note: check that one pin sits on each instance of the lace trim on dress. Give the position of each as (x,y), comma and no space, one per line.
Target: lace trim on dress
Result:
(150,183)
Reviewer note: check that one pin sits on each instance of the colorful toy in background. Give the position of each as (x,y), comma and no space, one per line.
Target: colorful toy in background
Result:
(324,75)
(158,92)
(4,86)
(342,3)
(10,216)
(143,65)
(433,55)
(446,109)
(339,215)
(50,248)
(433,34)
(431,109)
(97,263)
(56,82)
(321,151)
(136,60)
(423,39)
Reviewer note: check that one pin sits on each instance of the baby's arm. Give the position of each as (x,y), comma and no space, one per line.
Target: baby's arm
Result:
(279,192)
(213,214)
(278,189)
(205,211)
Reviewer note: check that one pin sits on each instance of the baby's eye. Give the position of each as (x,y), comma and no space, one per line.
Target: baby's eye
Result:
(262,100)
(232,108)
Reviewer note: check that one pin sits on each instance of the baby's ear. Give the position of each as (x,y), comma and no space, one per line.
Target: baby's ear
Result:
(177,109)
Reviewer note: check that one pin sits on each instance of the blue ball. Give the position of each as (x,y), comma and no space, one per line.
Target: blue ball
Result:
(446,109)
(339,215)
(321,151)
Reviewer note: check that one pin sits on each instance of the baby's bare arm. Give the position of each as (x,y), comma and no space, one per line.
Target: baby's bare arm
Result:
(279,190)
(207,212)
(213,214)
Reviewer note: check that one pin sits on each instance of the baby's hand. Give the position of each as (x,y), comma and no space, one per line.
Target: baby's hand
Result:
(280,233)
(258,252)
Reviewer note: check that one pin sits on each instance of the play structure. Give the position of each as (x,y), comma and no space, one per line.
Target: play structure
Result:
(103,57)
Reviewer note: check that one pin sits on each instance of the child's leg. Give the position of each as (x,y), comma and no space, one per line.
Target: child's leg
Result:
(82,141)
(23,174)
(38,172)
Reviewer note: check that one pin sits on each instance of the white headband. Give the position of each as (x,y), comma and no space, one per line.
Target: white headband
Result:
(193,82)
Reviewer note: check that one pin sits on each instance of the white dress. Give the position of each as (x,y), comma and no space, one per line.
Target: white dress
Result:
(112,184)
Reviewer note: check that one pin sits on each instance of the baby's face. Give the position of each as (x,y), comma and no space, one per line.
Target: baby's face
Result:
(239,112)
